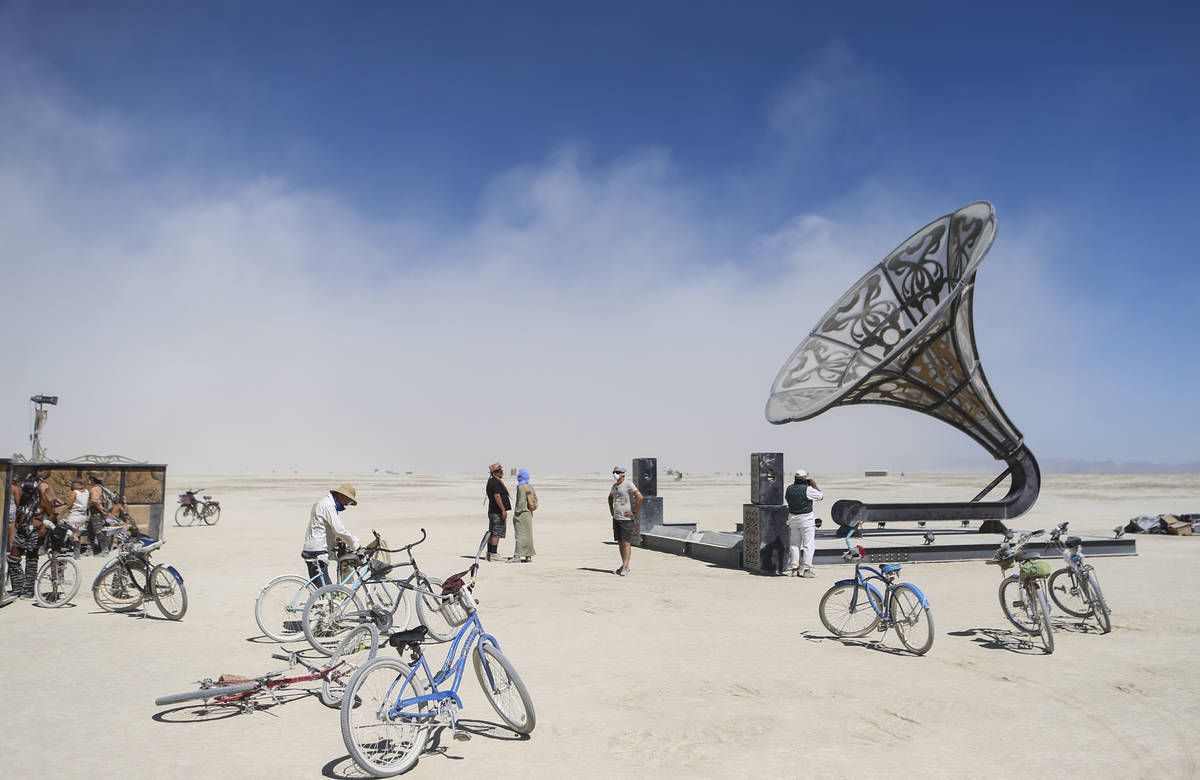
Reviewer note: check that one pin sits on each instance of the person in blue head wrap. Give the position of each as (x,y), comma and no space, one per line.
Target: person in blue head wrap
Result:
(523,508)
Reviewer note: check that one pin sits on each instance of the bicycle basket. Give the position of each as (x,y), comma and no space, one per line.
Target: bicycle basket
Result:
(456,603)
(1032,569)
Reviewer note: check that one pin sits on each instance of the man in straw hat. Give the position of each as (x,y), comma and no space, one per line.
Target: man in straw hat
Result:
(324,529)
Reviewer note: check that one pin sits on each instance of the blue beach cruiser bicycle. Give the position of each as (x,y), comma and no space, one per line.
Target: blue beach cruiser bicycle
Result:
(875,599)
(390,706)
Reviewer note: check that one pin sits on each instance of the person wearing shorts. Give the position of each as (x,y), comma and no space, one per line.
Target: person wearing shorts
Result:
(499,504)
(624,501)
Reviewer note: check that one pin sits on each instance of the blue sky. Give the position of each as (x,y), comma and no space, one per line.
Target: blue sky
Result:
(399,236)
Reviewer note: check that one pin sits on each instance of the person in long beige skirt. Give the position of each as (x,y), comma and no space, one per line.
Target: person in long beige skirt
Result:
(523,509)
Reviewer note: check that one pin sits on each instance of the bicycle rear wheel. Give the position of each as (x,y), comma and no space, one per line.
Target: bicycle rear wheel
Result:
(215,691)
(1037,596)
(212,514)
(846,610)
(331,612)
(353,652)
(1016,606)
(57,582)
(504,689)
(280,605)
(1067,594)
(117,589)
(166,586)
(913,622)
(383,738)
(441,615)
(1091,586)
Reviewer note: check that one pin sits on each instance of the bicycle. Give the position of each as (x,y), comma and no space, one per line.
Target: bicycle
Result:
(355,650)
(390,707)
(1075,588)
(1023,594)
(195,510)
(280,603)
(335,609)
(129,578)
(855,607)
(58,578)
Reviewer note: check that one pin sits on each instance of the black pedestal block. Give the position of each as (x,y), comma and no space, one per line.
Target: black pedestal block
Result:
(766,478)
(764,538)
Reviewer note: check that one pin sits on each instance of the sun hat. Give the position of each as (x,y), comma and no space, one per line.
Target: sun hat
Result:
(347,491)
(801,473)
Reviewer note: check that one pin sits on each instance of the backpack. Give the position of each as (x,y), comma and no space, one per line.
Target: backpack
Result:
(531,498)
(31,498)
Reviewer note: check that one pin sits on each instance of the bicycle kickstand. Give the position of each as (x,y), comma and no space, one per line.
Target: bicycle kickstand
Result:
(450,713)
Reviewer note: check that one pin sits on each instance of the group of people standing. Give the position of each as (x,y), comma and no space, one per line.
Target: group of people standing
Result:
(39,520)
(498,507)
(325,527)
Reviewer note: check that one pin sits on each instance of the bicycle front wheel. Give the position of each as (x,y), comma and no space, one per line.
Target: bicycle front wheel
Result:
(166,586)
(1067,594)
(1099,605)
(117,589)
(846,610)
(183,515)
(504,689)
(215,691)
(57,582)
(441,615)
(1037,596)
(913,622)
(280,605)
(1016,605)
(331,613)
(384,736)
(212,513)
(352,654)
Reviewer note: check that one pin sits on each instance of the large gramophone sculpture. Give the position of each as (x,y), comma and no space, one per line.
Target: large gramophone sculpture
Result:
(903,336)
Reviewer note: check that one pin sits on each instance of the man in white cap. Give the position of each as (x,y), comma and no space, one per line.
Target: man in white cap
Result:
(324,530)
(624,501)
(802,524)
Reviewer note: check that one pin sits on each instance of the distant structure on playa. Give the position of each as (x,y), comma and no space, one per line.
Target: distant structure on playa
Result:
(903,335)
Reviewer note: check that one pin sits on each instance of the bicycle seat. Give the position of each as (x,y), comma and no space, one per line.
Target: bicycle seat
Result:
(891,567)
(1028,555)
(1073,541)
(413,636)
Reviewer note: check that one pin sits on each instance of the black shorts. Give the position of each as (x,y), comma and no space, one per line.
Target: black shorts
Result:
(623,529)
(497,525)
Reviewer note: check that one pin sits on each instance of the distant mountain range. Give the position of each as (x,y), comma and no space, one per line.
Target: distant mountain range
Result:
(1073,466)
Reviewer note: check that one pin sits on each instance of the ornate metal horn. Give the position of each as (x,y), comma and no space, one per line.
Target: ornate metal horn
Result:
(903,335)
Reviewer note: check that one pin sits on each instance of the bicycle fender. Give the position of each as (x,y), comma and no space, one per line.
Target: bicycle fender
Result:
(844,582)
(174,573)
(486,638)
(920,595)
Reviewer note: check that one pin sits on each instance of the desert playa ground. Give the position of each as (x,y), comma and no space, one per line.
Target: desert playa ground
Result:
(682,669)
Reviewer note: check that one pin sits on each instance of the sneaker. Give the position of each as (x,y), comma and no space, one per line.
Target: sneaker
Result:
(621,572)
(494,557)
(807,571)
(527,559)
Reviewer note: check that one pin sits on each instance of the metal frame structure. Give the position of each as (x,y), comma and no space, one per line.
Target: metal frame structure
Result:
(903,336)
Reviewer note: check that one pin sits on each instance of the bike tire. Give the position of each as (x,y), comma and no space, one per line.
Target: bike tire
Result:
(180,515)
(382,744)
(436,613)
(169,593)
(280,605)
(1099,605)
(1013,600)
(504,689)
(1045,627)
(117,591)
(354,651)
(383,595)
(912,621)
(53,592)
(846,610)
(323,618)
(212,692)
(1067,593)
(212,514)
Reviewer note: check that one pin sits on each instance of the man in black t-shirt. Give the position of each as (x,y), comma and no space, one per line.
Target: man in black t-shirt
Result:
(498,506)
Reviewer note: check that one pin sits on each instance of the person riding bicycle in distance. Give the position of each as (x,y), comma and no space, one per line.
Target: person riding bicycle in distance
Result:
(324,530)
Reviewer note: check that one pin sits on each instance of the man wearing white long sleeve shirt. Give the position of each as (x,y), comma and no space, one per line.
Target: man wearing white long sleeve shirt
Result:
(324,530)
(802,523)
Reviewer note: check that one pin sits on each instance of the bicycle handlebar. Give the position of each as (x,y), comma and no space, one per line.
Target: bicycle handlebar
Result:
(406,548)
